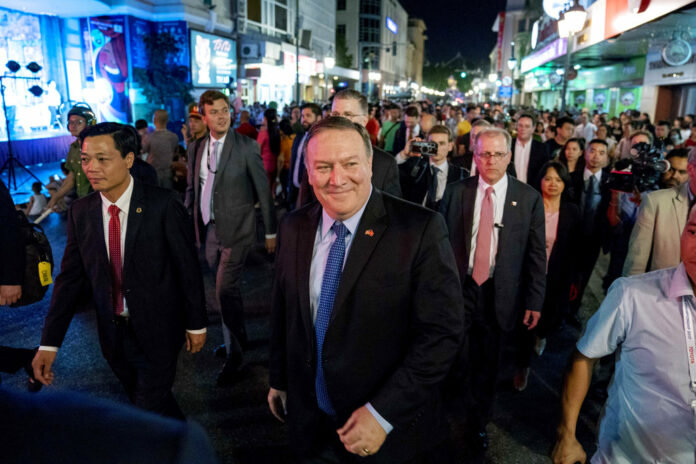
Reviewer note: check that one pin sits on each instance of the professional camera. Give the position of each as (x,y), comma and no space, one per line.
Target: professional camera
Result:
(642,171)
(424,148)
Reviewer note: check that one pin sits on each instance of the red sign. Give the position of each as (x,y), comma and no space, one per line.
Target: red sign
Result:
(622,15)
(501,29)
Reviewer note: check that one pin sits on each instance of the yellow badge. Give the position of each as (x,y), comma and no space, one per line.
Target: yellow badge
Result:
(45,273)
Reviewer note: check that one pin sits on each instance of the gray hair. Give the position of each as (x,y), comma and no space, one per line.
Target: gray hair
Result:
(340,123)
(494,132)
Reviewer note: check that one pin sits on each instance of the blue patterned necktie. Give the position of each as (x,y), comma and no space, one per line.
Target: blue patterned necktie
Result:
(329,287)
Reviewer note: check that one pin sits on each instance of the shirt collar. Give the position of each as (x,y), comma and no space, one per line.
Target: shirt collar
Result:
(444,167)
(499,186)
(680,285)
(221,139)
(587,174)
(351,223)
(124,200)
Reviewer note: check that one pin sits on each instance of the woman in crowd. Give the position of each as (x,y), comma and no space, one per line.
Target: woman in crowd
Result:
(269,140)
(287,137)
(571,155)
(373,123)
(562,236)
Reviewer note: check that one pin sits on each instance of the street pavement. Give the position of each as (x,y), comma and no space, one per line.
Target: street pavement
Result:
(242,430)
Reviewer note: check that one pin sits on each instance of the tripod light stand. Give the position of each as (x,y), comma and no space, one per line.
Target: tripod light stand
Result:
(12,163)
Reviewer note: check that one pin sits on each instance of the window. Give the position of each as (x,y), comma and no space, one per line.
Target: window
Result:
(369,30)
(281,17)
(370,7)
(341,30)
(341,5)
(254,10)
(522,25)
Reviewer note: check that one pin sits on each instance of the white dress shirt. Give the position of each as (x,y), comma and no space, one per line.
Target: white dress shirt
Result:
(586,174)
(499,193)
(203,172)
(443,170)
(522,154)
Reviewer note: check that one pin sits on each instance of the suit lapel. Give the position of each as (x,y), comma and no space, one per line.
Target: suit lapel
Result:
(305,248)
(367,235)
(681,203)
(96,222)
(197,168)
(225,155)
(136,212)
(509,212)
(468,202)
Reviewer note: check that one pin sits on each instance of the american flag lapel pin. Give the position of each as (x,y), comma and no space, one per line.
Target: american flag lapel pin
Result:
(514,203)
(370,232)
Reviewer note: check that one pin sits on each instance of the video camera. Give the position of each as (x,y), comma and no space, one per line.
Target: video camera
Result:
(642,171)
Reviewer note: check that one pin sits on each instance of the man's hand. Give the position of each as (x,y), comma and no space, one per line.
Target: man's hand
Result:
(9,294)
(362,434)
(276,401)
(270,245)
(43,360)
(407,149)
(531,318)
(194,342)
(568,450)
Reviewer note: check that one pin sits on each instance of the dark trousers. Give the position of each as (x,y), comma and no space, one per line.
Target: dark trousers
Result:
(487,351)
(228,264)
(13,359)
(147,384)
(588,259)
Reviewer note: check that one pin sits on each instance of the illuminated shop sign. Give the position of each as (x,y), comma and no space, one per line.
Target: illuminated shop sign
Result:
(391,25)
(213,60)
(550,52)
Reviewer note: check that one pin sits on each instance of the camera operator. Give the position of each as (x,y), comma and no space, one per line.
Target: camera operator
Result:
(654,242)
(426,173)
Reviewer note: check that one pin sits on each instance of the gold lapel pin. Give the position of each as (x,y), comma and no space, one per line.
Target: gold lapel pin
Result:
(139,210)
(514,203)
(370,232)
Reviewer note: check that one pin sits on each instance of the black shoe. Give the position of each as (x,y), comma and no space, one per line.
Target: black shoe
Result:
(231,372)
(221,352)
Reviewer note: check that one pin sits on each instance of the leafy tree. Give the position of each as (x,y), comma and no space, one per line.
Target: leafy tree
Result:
(165,82)
(343,58)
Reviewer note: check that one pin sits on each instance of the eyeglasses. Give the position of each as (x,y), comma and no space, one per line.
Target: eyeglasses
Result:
(75,123)
(496,156)
(346,115)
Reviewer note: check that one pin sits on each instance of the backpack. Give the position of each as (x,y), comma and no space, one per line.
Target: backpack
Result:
(38,264)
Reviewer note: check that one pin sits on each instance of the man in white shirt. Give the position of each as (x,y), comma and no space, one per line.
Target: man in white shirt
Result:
(130,251)
(528,155)
(650,413)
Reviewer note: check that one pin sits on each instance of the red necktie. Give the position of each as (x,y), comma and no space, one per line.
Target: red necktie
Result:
(115,254)
(482,256)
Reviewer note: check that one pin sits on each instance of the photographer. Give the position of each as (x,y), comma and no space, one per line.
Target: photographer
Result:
(654,242)
(426,173)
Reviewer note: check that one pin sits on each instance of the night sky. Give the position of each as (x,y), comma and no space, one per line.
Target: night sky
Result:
(456,25)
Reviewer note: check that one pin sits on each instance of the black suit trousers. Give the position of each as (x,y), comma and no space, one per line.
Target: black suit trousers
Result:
(13,359)
(147,384)
(488,351)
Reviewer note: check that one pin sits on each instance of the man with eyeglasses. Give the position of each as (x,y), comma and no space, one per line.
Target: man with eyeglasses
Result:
(352,105)
(497,230)
(79,117)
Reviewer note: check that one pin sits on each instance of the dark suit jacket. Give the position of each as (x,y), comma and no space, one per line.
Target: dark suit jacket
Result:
(385,176)
(400,138)
(561,265)
(11,246)
(162,281)
(144,172)
(395,329)
(520,262)
(416,177)
(600,226)
(292,191)
(79,429)
(240,182)
(537,157)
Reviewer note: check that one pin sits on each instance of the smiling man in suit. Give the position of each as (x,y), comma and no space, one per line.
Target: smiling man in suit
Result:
(366,315)
(497,228)
(130,251)
(225,179)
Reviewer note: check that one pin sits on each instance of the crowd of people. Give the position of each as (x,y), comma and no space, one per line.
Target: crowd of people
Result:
(424,252)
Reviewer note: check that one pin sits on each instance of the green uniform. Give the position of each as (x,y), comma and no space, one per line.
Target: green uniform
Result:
(73,164)
(390,131)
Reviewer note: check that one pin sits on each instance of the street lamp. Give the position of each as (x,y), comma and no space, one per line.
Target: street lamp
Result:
(570,23)
(512,64)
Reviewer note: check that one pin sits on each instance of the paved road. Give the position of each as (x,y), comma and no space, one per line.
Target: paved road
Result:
(242,429)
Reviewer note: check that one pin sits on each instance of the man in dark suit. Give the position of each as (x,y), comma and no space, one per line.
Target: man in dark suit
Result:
(352,105)
(225,179)
(408,130)
(342,373)
(528,155)
(130,251)
(497,228)
(425,178)
(592,195)
(310,114)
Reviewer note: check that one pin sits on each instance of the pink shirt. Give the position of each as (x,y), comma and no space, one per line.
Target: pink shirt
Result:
(551,229)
